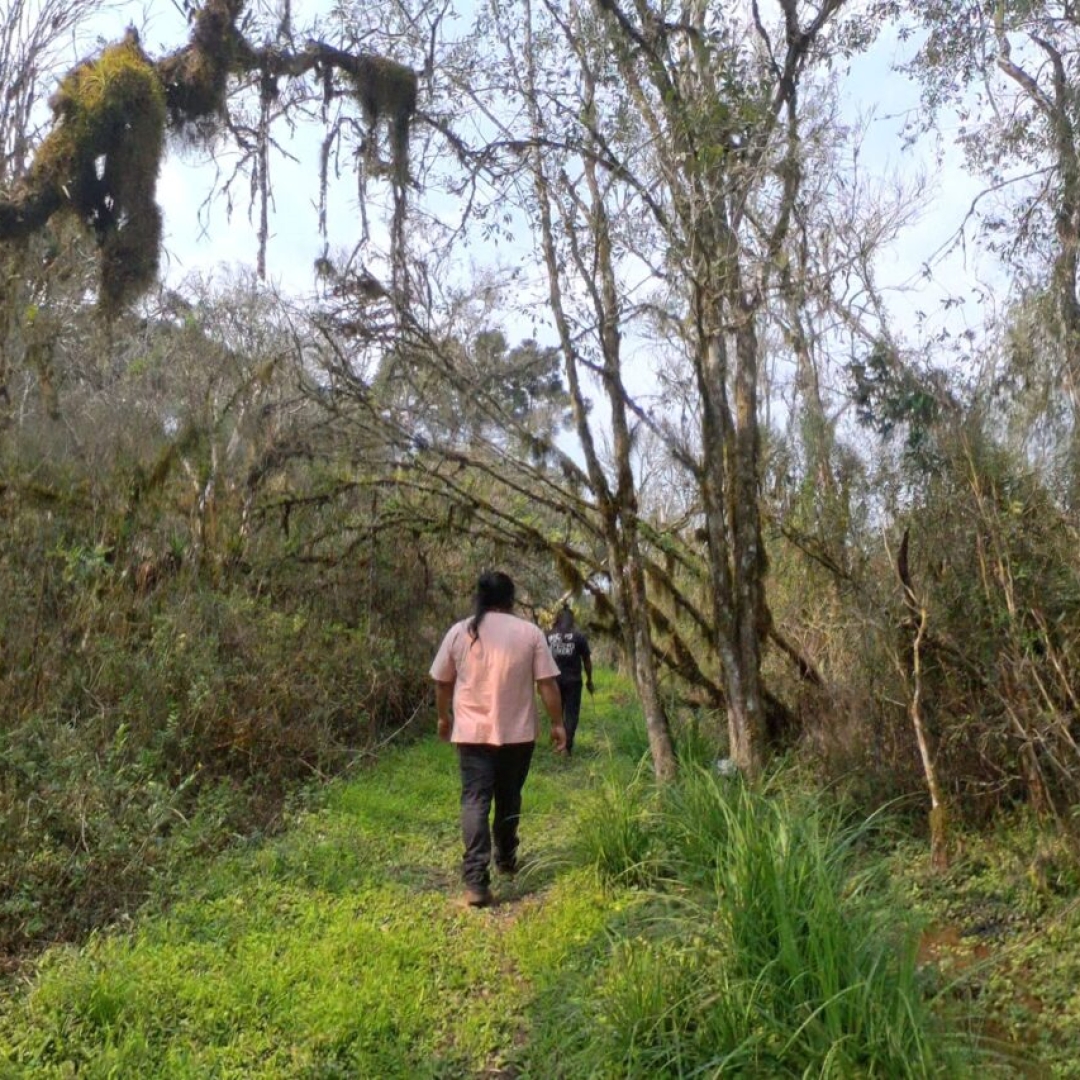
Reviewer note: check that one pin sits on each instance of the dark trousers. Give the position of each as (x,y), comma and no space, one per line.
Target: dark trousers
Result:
(571,709)
(491,774)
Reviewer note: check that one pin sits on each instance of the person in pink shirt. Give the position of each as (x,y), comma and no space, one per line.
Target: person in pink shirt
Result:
(484,673)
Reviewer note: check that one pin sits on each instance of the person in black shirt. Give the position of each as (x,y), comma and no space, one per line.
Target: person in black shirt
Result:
(572,654)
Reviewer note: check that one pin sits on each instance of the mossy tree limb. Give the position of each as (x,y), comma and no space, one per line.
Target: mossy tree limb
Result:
(101,158)
(100,161)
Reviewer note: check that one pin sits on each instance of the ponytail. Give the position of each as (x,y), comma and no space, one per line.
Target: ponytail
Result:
(494,592)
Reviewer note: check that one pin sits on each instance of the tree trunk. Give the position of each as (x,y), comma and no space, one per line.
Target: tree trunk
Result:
(661,746)
(616,504)
(736,558)
(939,811)
(1057,105)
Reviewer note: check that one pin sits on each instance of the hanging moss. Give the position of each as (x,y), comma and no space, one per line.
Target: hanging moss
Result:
(195,78)
(104,154)
(386,90)
(569,574)
(101,159)
(103,106)
(129,258)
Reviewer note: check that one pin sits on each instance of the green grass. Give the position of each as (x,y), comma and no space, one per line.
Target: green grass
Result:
(761,947)
(1003,929)
(337,949)
(704,930)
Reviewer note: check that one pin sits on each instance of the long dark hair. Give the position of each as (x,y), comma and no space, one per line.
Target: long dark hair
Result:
(494,591)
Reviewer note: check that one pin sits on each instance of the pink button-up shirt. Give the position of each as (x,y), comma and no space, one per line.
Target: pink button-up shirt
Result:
(493,677)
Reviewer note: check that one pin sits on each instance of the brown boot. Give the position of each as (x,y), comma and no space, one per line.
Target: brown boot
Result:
(478,896)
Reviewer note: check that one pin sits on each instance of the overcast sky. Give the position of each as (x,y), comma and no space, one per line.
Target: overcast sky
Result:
(872,87)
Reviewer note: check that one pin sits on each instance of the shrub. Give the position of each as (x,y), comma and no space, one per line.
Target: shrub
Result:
(141,726)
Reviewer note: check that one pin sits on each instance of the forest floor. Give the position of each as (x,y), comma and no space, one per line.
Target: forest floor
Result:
(343,948)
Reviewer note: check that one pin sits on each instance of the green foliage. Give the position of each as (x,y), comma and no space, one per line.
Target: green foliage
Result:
(613,834)
(1001,929)
(770,943)
(889,396)
(996,565)
(143,726)
(147,742)
(700,736)
(174,661)
(481,389)
(991,558)
(627,738)
(331,949)
(526,378)
(765,952)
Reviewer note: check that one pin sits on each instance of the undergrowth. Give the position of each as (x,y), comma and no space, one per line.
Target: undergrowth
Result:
(161,727)
(703,930)
(336,948)
(763,945)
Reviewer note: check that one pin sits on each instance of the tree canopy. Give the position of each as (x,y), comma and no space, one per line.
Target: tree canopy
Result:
(101,158)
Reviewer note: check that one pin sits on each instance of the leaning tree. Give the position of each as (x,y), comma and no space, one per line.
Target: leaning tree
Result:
(665,147)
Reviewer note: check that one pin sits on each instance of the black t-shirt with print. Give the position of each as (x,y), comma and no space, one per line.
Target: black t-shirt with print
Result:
(569,649)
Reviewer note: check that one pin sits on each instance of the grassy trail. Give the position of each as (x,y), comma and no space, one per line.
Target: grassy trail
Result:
(339,948)
(755,934)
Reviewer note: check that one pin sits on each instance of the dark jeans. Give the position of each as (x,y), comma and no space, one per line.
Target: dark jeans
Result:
(571,709)
(491,773)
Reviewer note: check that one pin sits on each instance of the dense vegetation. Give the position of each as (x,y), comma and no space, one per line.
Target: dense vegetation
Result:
(705,929)
(613,315)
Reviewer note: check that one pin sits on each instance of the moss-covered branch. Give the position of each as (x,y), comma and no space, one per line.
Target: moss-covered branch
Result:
(101,159)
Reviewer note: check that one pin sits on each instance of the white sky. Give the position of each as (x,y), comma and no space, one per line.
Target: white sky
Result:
(932,240)
(231,240)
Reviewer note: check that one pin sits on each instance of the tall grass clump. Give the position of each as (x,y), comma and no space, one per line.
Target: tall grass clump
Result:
(766,949)
(614,832)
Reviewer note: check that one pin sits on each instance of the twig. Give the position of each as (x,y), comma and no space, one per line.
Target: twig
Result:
(370,751)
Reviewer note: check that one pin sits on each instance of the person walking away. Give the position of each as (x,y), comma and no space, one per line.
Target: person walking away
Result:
(484,673)
(571,651)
